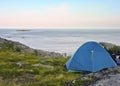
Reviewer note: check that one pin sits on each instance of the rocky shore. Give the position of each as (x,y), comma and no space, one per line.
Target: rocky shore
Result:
(107,77)
(25,49)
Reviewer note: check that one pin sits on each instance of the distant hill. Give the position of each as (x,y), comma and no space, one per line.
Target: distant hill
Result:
(111,48)
(107,45)
(23,30)
(19,47)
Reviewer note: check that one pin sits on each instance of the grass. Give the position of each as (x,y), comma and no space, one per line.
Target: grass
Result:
(25,69)
(17,69)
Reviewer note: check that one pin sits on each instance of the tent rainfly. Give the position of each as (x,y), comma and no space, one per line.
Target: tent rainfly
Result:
(91,57)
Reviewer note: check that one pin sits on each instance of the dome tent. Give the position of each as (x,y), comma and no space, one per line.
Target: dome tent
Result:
(91,57)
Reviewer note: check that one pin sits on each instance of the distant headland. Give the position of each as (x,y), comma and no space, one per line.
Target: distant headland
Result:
(22,30)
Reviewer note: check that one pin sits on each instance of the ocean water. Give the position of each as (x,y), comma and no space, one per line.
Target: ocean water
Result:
(62,41)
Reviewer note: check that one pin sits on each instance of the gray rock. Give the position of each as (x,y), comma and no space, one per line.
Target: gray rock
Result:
(105,77)
(112,81)
(42,65)
(21,64)
(108,77)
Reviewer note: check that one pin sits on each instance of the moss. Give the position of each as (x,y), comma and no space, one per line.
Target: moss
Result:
(114,49)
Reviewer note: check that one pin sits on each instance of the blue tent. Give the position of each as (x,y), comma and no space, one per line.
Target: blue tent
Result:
(92,57)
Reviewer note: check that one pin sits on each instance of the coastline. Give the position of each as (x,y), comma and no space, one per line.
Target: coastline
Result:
(52,65)
(25,49)
(60,40)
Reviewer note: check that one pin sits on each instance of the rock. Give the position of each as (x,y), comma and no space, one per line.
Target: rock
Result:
(107,77)
(41,65)
(21,64)
(113,80)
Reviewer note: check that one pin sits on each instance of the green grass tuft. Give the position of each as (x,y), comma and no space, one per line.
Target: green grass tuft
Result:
(18,69)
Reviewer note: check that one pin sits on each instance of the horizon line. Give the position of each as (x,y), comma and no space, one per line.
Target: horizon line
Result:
(59,27)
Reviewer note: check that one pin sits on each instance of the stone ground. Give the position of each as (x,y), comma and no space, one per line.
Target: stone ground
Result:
(111,80)
(107,77)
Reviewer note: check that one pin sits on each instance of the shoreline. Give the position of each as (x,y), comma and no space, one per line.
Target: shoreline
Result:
(27,49)
(47,50)
(56,51)
(61,41)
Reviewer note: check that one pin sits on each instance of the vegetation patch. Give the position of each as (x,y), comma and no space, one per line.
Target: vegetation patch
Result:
(18,69)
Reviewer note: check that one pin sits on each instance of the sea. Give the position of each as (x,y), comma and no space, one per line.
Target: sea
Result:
(60,40)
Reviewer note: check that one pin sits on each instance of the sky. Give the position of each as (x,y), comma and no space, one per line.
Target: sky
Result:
(59,13)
